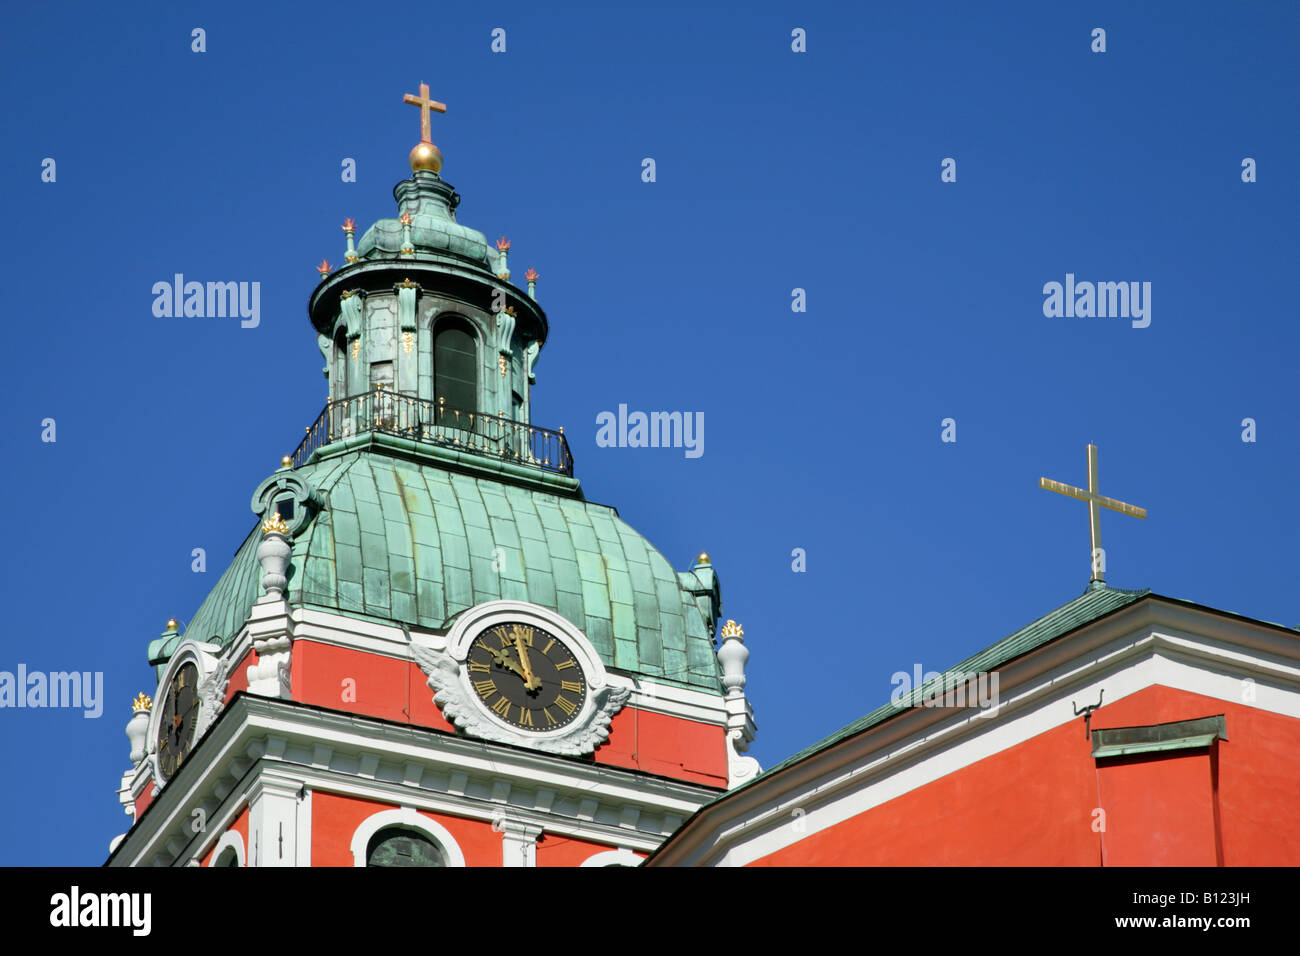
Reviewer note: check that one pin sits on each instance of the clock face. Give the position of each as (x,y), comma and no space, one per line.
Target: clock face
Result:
(526,676)
(180,714)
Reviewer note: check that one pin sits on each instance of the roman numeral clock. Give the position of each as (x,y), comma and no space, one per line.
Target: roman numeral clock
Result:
(518,673)
(192,691)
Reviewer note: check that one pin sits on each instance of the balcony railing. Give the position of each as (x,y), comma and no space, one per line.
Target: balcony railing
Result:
(435,423)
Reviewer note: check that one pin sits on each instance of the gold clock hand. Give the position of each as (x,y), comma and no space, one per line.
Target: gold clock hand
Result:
(530,679)
(501,660)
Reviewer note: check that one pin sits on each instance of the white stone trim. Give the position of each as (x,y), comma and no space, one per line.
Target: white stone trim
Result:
(671,700)
(1156,643)
(619,857)
(405,818)
(355,634)
(230,840)
(518,840)
(295,749)
(273,823)
(443,661)
(304,827)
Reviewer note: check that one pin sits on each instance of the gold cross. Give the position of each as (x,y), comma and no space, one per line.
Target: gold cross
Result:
(425,104)
(1095,503)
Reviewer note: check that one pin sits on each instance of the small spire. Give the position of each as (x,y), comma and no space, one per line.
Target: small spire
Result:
(503,269)
(408,250)
(532,276)
(324,269)
(349,228)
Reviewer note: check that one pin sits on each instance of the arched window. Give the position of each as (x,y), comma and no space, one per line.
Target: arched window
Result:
(370,845)
(455,365)
(229,850)
(620,857)
(398,846)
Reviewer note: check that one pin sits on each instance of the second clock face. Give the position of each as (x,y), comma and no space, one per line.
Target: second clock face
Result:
(179,718)
(526,676)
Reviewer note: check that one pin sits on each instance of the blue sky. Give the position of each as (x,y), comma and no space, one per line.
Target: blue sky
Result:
(775,170)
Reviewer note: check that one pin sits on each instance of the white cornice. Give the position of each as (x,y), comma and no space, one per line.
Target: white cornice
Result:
(263,740)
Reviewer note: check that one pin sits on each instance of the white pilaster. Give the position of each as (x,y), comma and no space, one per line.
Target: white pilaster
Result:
(518,841)
(273,823)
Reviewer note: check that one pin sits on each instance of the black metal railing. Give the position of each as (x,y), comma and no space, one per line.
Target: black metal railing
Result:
(436,423)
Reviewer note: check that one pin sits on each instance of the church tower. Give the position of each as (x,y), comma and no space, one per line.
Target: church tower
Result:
(431,649)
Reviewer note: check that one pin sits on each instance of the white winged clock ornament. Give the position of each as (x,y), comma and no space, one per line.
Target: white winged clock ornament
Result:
(519,674)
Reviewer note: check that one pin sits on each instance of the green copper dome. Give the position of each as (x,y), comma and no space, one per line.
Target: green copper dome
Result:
(424,488)
(410,542)
(431,204)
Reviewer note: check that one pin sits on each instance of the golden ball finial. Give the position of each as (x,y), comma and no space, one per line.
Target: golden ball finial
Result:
(286,462)
(426,156)
(172,625)
(703,558)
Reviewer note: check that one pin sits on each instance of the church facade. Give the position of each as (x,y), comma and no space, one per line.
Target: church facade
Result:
(1124,729)
(431,649)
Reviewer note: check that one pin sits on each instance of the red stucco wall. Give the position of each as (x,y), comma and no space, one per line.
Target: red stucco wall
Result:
(1033,803)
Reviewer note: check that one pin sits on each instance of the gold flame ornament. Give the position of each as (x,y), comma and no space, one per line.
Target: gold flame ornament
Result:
(142,702)
(275,525)
(732,629)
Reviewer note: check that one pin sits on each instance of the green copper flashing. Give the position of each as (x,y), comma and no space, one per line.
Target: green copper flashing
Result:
(1158,738)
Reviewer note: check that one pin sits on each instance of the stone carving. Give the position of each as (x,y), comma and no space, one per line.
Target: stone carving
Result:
(530,360)
(212,699)
(461,710)
(739,769)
